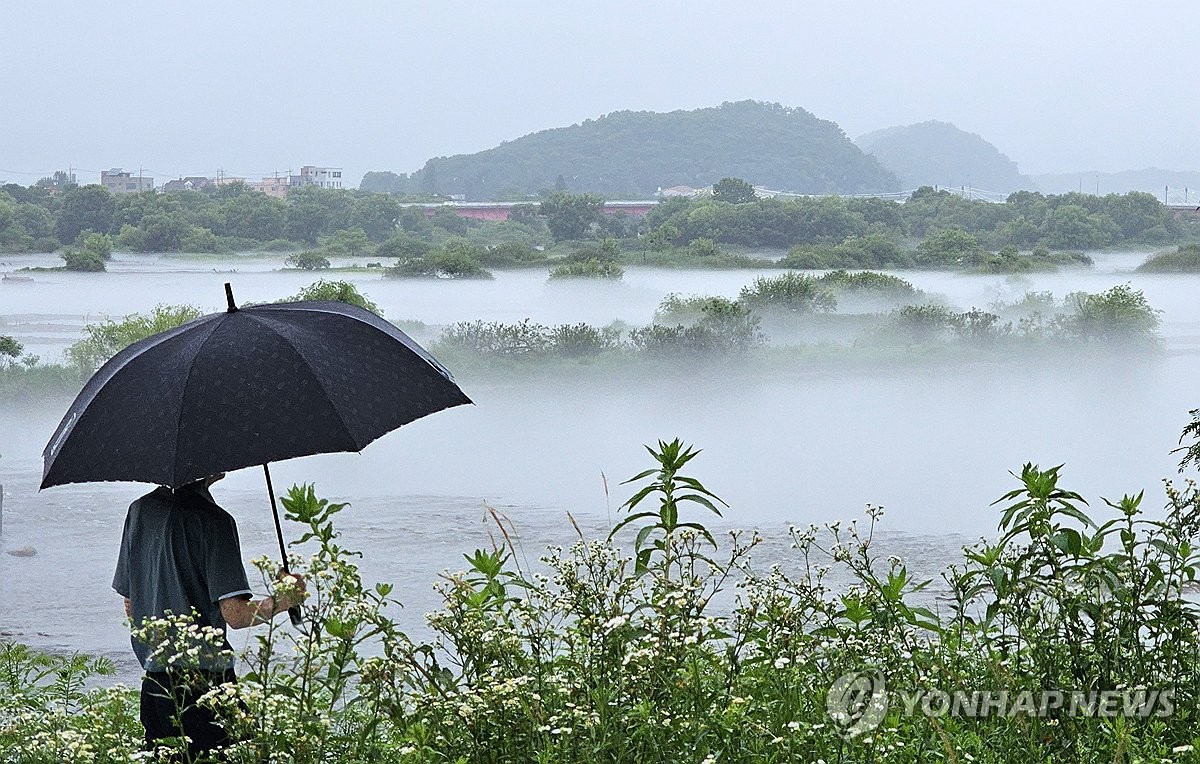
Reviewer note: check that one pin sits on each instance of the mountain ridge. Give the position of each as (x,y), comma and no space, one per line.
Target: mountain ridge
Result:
(633,154)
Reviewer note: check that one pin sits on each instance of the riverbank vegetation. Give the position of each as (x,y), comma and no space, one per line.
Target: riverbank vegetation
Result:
(1185,259)
(662,641)
(315,228)
(788,319)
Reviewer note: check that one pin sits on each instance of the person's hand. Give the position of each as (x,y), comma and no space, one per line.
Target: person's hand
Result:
(290,591)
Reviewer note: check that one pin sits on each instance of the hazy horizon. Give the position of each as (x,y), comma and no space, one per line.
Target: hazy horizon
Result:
(255,89)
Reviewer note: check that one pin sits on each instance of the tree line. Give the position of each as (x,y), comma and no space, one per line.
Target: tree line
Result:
(930,229)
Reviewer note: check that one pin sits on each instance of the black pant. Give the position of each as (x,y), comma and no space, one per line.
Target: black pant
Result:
(169,709)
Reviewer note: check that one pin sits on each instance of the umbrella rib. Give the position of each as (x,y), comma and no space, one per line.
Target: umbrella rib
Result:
(106,372)
(343,310)
(187,380)
(337,411)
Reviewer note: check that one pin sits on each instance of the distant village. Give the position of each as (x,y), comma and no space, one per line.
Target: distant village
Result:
(118,181)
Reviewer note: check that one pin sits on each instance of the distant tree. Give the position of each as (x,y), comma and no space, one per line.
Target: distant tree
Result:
(414,220)
(252,216)
(449,220)
(9,347)
(1071,226)
(950,247)
(347,243)
(376,215)
(385,182)
(404,245)
(571,216)
(89,254)
(524,214)
(59,181)
(308,261)
(734,191)
(84,208)
(314,212)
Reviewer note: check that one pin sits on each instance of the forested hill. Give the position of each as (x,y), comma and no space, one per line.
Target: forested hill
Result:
(631,155)
(939,154)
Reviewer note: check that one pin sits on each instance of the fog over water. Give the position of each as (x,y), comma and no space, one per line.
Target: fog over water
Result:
(931,442)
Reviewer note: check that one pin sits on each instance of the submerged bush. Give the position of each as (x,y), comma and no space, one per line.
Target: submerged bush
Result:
(871,251)
(580,340)
(495,338)
(308,261)
(1185,259)
(588,269)
(790,292)
(677,309)
(334,291)
(104,340)
(870,283)
(457,259)
(1121,314)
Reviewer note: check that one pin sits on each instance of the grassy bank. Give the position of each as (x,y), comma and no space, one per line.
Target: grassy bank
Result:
(613,649)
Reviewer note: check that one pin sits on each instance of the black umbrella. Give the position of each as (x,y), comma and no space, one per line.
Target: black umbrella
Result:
(242,388)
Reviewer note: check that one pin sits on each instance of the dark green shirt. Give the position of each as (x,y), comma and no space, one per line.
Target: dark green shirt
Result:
(179,552)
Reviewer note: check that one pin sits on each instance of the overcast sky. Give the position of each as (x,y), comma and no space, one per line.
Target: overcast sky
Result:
(257,87)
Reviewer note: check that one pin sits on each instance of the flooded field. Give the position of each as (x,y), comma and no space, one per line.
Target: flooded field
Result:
(933,444)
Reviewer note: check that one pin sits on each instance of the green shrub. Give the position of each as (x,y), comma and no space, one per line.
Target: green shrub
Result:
(676,309)
(588,269)
(509,253)
(1121,314)
(496,338)
(949,248)
(924,323)
(661,641)
(580,340)
(791,293)
(723,327)
(90,253)
(276,245)
(104,340)
(308,261)
(199,240)
(10,348)
(1185,259)
(404,246)
(352,242)
(870,251)
(457,259)
(334,291)
(870,283)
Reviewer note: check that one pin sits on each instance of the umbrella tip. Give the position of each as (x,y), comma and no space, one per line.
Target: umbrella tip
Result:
(229,297)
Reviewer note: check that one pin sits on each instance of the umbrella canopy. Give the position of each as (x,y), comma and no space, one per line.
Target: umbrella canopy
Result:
(242,388)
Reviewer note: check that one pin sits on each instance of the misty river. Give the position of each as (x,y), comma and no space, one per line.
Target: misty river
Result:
(931,443)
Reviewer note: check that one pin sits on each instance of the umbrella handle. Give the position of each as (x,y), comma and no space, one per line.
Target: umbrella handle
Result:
(295,613)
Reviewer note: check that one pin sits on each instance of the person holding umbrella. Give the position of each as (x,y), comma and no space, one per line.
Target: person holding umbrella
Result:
(229,390)
(180,554)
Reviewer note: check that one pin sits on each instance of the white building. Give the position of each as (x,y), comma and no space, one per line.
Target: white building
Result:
(321,177)
(119,182)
